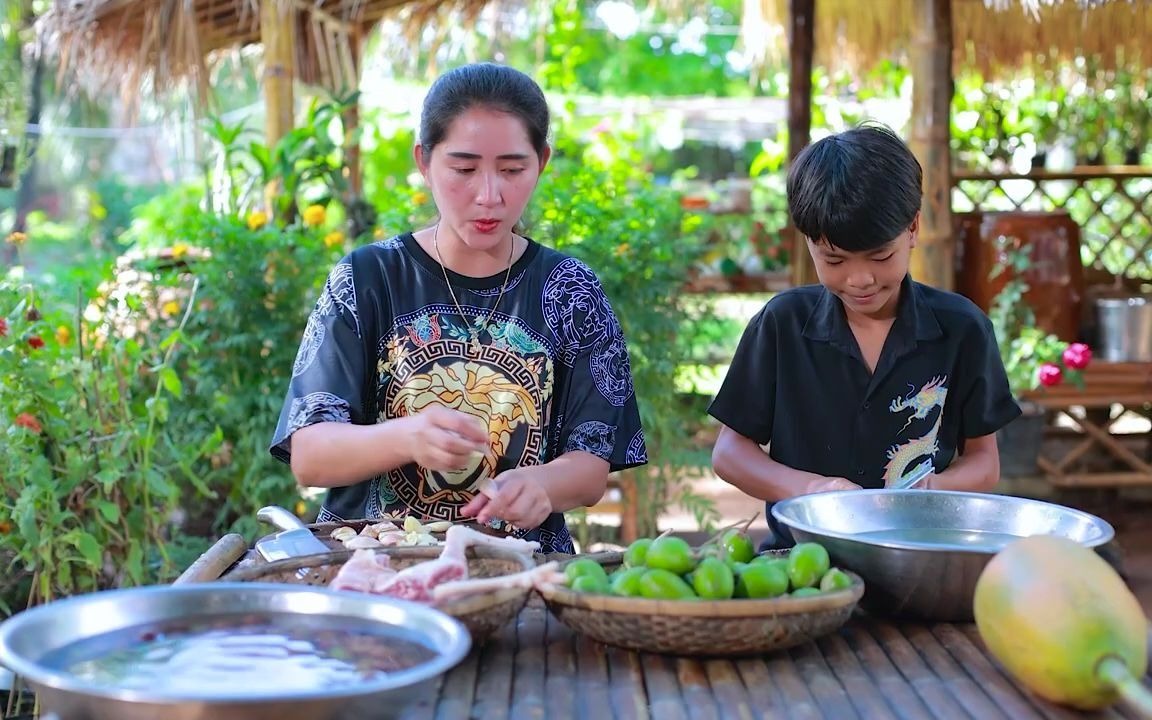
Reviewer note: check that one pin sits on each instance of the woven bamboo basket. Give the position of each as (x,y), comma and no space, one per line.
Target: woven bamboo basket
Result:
(482,613)
(709,628)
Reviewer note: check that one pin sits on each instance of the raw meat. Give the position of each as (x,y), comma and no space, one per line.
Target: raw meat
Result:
(367,572)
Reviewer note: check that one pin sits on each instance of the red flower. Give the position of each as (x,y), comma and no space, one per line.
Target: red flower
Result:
(1050,374)
(1077,356)
(3,326)
(27,421)
(36,342)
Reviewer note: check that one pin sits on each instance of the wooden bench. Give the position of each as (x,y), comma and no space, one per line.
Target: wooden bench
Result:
(1110,391)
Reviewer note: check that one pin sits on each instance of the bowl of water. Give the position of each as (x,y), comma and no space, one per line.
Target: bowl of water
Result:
(920,552)
(230,651)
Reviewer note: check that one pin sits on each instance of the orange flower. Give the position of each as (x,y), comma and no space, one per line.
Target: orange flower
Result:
(25,420)
(419,197)
(63,335)
(257,220)
(314,215)
(334,239)
(17,238)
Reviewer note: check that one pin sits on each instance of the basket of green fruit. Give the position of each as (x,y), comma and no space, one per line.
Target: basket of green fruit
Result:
(720,599)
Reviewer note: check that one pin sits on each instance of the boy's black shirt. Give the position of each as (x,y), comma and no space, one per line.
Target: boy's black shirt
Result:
(799,384)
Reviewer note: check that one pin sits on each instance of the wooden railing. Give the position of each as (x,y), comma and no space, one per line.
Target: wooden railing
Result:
(1112,206)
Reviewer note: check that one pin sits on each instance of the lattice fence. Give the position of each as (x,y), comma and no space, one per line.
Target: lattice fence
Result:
(1113,208)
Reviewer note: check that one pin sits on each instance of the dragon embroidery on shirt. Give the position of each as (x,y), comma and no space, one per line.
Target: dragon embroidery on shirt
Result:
(901,457)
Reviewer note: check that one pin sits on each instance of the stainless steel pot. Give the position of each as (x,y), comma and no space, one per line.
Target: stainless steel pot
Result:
(29,639)
(920,552)
(1125,328)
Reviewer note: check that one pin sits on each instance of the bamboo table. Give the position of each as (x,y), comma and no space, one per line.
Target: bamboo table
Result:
(871,669)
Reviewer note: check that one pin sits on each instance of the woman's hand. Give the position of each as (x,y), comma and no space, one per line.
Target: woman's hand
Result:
(444,440)
(830,484)
(513,496)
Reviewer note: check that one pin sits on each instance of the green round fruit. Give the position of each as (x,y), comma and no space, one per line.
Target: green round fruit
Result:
(660,584)
(775,560)
(835,579)
(762,581)
(713,579)
(738,546)
(670,553)
(585,567)
(807,563)
(805,592)
(590,584)
(626,583)
(637,552)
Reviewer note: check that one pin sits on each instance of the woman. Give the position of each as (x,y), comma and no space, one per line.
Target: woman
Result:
(463,370)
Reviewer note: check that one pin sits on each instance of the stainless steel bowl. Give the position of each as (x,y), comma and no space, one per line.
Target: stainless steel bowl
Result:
(28,638)
(920,552)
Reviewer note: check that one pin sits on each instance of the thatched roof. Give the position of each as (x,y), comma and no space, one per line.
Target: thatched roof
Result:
(167,41)
(992,35)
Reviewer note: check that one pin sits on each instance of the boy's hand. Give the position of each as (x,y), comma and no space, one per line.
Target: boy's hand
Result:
(830,484)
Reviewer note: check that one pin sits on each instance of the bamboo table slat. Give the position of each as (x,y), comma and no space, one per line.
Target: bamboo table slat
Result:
(871,669)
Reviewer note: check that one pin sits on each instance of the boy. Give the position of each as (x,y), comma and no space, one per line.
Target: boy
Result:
(859,381)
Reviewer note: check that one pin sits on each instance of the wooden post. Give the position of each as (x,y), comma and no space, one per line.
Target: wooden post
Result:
(802,41)
(352,118)
(277,33)
(934,256)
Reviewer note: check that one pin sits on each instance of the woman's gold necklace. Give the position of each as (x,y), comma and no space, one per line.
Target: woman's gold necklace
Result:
(474,330)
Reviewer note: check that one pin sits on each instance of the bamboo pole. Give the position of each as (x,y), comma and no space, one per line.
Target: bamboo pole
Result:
(933,258)
(278,37)
(801,26)
(352,117)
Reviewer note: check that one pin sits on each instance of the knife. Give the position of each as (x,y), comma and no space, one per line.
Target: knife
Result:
(913,478)
(294,540)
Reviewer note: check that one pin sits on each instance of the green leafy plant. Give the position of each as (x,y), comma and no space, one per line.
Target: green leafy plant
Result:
(306,165)
(257,284)
(1032,357)
(94,474)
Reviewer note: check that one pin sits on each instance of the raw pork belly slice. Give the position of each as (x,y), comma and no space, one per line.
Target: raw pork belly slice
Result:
(367,572)
(364,572)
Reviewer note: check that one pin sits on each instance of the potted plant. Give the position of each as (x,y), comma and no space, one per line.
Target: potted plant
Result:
(1033,360)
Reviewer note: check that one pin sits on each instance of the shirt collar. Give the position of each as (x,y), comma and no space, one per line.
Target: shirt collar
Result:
(914,318)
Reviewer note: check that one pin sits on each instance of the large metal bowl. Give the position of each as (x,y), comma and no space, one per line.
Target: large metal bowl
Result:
(920,552)
(27,638)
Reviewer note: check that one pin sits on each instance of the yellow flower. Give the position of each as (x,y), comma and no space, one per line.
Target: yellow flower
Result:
(314,215)
(17,238)
(179,250)
(257,220)
(419,197)
(170,308)
(63,335)
(301,507)
(378,233)
(333,239)
(622,249)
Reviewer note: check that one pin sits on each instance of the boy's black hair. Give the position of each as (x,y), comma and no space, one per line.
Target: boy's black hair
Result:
(857,190)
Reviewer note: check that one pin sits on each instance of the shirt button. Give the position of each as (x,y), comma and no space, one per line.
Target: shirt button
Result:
(867,405)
